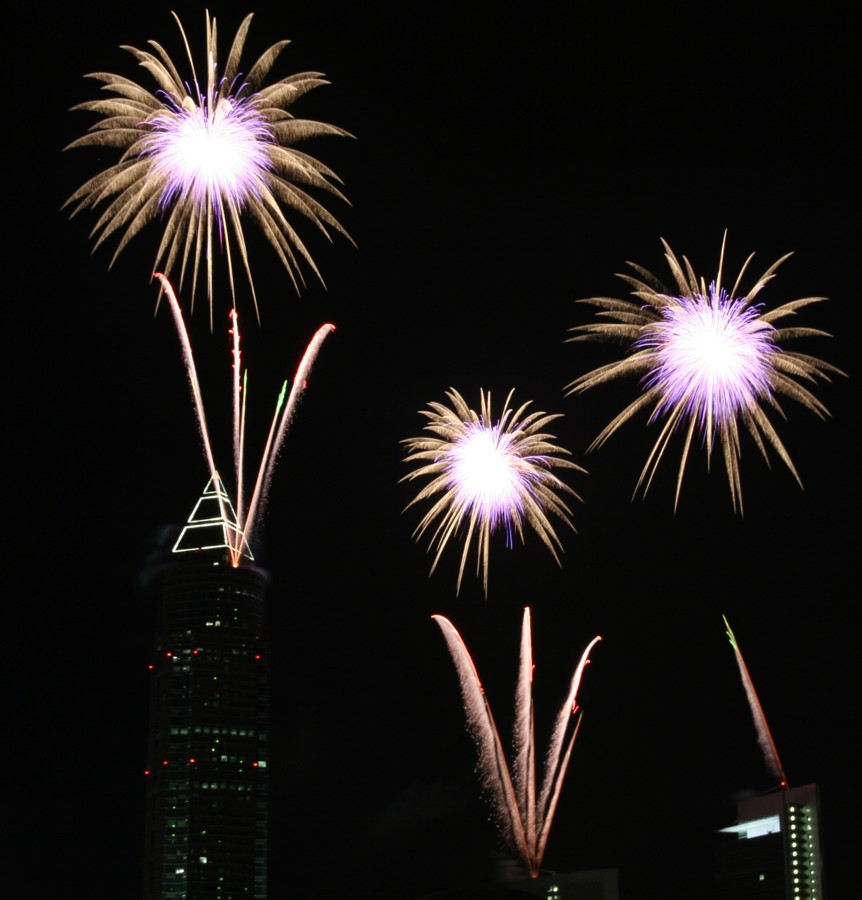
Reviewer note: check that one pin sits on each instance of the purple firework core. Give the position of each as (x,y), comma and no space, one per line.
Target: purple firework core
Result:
(213,156)
(712,357)
(488,478)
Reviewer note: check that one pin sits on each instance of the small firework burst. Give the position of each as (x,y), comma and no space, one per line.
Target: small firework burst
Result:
(488,475)
(709,361)
(204,154)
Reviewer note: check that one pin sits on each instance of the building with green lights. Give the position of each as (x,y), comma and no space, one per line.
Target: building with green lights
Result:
(774,851)
(207,777)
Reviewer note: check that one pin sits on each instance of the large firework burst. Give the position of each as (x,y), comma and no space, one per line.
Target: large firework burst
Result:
(201,154)
(709,361)
(764,735)
(487,475)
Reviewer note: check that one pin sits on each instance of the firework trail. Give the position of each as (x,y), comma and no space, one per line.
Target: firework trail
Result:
(488,475)
(764,735)
(526,823)
(709,361)
(494,771)
(273,447)
(560,751)
(200,155)
(524,763)
(239,390)
(247,520)
(197,399)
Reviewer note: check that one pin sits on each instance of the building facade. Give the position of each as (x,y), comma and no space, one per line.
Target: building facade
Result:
(207,777)
(774,851)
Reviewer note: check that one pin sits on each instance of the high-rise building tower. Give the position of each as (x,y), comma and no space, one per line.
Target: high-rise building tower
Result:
(207,785)
(774,851)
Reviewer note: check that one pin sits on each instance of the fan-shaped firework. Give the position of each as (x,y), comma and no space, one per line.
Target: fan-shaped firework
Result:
(525,813)
(203,154)
(709,361)
(247,517)
(488,475)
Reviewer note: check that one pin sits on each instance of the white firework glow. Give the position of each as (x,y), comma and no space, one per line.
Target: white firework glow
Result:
(203,155)
(712,354)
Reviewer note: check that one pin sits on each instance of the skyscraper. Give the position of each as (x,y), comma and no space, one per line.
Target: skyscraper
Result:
(207,784)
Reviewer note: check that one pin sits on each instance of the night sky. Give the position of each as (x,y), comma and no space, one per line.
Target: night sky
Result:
(504,167)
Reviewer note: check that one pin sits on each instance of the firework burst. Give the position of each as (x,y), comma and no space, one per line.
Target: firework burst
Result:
(709,360)
(487,475)
(203,154)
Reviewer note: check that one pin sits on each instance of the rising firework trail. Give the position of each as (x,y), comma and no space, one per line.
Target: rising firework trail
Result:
(488,475)
(202,154)
(247,519)
(194,383)
(525,816)
(710,362)
(764,735)
(283,423)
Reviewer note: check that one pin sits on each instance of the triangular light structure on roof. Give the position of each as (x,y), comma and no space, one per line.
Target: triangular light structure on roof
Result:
(213,525)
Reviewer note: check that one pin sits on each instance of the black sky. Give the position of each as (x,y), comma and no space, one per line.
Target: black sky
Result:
(504,166)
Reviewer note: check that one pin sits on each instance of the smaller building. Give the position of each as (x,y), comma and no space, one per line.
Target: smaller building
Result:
(774,851)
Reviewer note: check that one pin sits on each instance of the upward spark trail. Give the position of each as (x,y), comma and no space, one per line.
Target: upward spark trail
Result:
(526,821)
(270,456)
(764,735)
